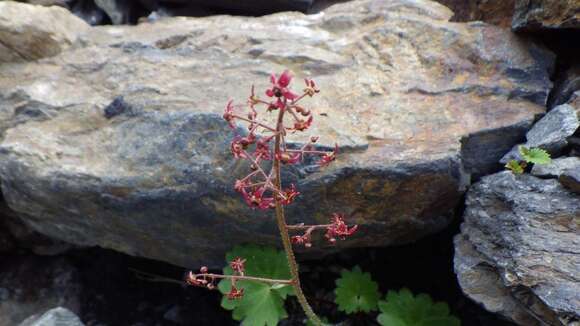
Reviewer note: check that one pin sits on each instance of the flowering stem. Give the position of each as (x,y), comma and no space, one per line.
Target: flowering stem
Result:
(305,227)
(244,278)
(281,220)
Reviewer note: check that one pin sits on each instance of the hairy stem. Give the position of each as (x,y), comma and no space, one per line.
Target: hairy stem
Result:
(281,220)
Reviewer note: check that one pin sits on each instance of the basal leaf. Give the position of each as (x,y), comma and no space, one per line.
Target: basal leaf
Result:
(356,291)
(515,166)
(262,303)
(403,309)
(535,155)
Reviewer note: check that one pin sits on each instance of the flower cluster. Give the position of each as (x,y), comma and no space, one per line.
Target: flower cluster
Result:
(257,188)
(336,229)
(207,280)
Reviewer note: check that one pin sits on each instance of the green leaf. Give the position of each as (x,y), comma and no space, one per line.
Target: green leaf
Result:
(356,291)
(403,309)
(515,166)
(535,155)
(262,303)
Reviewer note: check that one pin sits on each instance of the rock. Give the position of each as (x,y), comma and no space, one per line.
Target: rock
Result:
(250,7)
(32,285)
(117,10)
(88,11)
(556,168)
(151,174)
(546,14)
(29,32)
(497,12)
(518,252)
(570,179)
(565,87)
(550,133)
(54,317)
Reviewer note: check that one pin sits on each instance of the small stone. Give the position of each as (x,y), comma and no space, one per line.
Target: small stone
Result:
(54,317)
(571,179)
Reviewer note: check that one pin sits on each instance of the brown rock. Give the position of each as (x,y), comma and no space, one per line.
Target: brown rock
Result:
(120,143)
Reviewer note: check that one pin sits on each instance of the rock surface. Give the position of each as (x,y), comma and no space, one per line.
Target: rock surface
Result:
(546,14)
(54,317)
(550,133)
(570,179)
(151,175)
(32,285)
(556,168)
(518,252)
(29,32)
(497,12)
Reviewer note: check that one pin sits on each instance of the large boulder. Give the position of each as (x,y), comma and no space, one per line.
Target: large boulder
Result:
(29,32)
(121,143)
(546,14)
(518,252)
(54,317)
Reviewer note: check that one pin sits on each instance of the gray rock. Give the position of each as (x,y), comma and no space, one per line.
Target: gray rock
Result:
(556,168)
(29,32)
(550,133)
(251,7)
(117,10)
(36,284)
(54,317)
(518,253)
(151,174)
(570,179)
(546,14)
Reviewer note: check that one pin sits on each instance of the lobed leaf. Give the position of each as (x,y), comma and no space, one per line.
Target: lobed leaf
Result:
(403,309)
(356,291)
(262,303)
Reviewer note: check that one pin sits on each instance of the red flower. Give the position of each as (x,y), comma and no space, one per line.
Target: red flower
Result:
(255,198)
(280,86)
(229,114)
(237,146)
(288,158)
(302,125)
(239,185)
(263,148)
(235,293)
(238,265)
(338,228)
(304,240)
(290,194)
(311,88)
(328,157)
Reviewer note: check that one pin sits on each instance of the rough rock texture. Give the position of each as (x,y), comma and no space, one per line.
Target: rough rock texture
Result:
(550,133)
(29,32)
(121,144)
(518,252)
(556,168)
(497,12)
(32,285)
(54,317)
(570,179)
(546,14)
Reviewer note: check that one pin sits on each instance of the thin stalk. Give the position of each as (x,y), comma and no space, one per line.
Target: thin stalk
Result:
(244,278)
(281,220)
